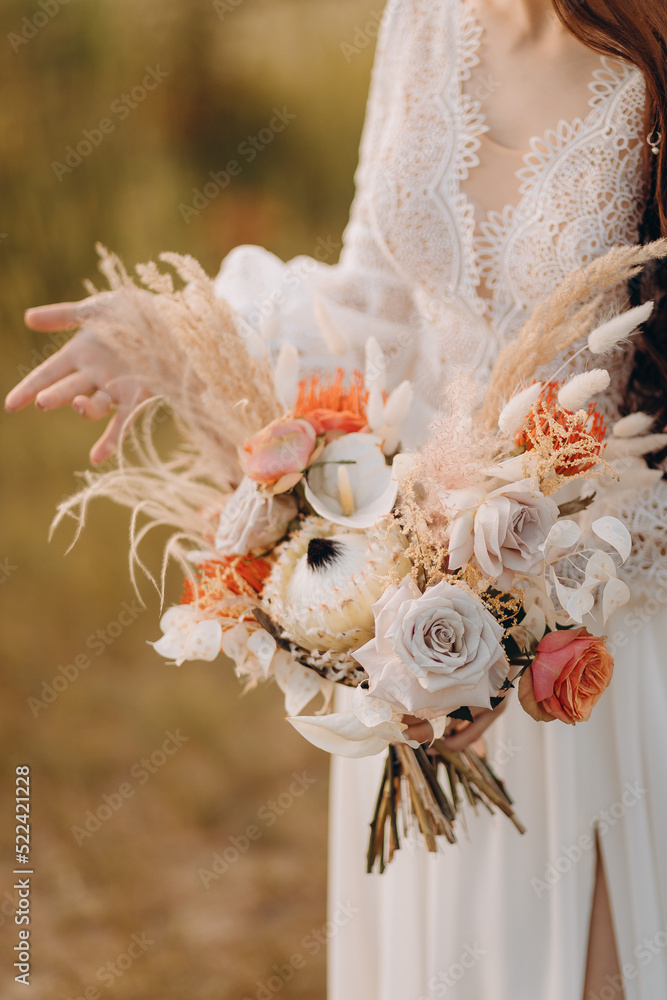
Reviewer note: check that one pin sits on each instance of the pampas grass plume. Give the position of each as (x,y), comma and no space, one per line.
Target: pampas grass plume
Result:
(616,330)
(514,412)
(577,392)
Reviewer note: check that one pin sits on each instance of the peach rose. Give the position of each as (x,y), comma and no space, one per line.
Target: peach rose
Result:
(568,676)
(279,454)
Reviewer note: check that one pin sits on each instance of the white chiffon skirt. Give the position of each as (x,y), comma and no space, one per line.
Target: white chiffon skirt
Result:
(500,916)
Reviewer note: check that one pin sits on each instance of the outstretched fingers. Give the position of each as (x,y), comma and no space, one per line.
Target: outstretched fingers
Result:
(114,432)
(60,316)
(63,392)
(93,407)
(58,367)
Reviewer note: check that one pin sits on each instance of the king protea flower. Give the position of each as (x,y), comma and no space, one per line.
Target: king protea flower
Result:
(326,579)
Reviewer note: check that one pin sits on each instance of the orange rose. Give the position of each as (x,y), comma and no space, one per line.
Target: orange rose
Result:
(568,676)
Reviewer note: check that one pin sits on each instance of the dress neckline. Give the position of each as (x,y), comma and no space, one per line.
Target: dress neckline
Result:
(603,84)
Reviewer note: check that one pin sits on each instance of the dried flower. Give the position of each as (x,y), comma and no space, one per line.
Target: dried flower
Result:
(567,443)
(251,520)
(576,393)
(188,635)
(513,415)
(611,334)
(633,425)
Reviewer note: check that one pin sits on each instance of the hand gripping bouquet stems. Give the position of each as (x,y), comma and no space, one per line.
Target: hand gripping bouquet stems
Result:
(316,552)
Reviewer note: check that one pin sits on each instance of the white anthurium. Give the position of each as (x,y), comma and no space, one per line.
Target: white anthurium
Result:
(334,337)
(351,483)
(286,375)
(299,684)
(615,594)
(612,531)
(365,731)
(187,636)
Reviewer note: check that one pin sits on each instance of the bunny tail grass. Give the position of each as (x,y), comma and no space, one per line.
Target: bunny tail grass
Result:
(559,321)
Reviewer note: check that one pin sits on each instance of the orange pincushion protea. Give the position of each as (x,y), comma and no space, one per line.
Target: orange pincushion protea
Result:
(574,441)
(224,583)
(329,407)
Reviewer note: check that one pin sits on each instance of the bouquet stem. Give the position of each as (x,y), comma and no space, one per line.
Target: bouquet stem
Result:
(411,777)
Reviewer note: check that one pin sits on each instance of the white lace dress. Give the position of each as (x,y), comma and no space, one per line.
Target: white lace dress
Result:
(444,280)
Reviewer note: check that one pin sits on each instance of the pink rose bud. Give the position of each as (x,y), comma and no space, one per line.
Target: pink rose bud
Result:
(282,448)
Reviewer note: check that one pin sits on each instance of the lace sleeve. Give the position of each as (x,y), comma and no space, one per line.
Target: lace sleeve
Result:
(364,293)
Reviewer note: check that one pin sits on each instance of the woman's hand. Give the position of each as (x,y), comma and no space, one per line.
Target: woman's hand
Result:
(461,734)
(83,374)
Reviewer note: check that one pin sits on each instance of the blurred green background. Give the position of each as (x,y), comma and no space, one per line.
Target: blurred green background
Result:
(64,68)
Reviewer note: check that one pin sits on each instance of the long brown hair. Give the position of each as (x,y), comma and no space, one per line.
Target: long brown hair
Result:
(636,30)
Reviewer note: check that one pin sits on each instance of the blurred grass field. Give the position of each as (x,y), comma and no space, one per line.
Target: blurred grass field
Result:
(227,66)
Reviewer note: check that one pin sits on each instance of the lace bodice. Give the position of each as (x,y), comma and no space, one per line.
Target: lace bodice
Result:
(412,260)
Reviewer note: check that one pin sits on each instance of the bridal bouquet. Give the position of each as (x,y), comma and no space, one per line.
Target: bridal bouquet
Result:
(316,552)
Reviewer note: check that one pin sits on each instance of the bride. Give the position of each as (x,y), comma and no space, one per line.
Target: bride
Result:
(506,143)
